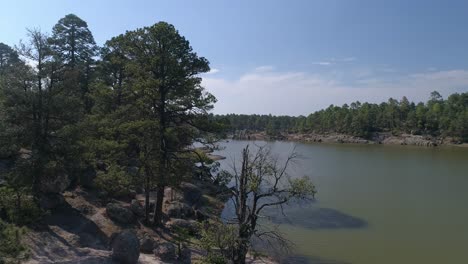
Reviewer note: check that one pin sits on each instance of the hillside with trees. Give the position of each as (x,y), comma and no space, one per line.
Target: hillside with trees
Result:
(437,117)
(98,162)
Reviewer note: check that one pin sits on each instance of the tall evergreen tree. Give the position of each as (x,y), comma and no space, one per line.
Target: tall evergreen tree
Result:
(73,41)
(39,110)
(153,87)
(73,44)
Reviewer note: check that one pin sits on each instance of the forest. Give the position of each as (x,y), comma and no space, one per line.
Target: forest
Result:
(436,117)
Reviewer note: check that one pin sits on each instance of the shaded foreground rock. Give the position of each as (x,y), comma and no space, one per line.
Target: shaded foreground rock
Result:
(120,214)
(137,208)
(126,248)
(147,244)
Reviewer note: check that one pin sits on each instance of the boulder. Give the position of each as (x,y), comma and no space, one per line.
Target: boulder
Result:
(190,225)
(192,193)
(126,248)
(147,244)
(179,210)
(120,214)
(165,251)
(137,208)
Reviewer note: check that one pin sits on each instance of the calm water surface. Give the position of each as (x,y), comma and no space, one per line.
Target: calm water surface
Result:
(378,204)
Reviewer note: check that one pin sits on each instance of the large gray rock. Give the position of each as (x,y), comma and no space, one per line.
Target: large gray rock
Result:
(147,244)
(165,251)
(126,248)
(137,208)
(179,210)
(120,214)
(192,193)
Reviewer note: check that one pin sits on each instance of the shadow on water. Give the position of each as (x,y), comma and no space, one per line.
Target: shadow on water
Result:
(312,218)
(319,218)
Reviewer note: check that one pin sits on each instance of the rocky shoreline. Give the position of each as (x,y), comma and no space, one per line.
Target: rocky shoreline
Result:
(385,138)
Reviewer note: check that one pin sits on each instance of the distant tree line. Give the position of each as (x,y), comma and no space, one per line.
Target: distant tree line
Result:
(437,117)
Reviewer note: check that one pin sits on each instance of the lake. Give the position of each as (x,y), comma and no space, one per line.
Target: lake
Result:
(376,204)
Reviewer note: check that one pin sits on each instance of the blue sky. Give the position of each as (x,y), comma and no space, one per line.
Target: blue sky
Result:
(290,57)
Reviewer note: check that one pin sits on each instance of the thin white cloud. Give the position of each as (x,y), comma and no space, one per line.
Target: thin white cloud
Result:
(334,61)
(264,68)
(295,93)
(213,71)
(322,63)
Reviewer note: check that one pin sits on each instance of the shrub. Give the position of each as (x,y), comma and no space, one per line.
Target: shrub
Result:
(115,182)
(218,241)
(18,206)
(11,248)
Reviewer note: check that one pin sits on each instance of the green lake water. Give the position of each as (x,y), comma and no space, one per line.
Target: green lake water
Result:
(377,204)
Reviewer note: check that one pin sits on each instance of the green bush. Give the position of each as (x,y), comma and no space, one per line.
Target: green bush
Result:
(218,241)
(11,248)
(19,206)
(116,182)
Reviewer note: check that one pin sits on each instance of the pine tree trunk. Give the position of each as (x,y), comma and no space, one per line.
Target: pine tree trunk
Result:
(240,254)
(157,220)
(147,203)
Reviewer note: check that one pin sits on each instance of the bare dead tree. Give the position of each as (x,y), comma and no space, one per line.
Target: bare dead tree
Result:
(260,182)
